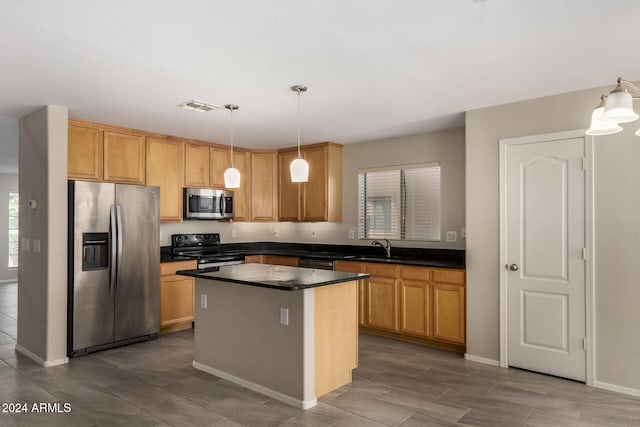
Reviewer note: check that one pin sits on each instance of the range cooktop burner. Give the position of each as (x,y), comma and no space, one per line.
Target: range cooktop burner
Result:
(205,247)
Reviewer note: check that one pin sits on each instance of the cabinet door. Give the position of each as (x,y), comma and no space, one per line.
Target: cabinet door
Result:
(241,195)
(415,312)
(382,303)
(448,313)
(176,299)
(289,195)
(196,170)
(356,267)
(85,153)
(415,300)
(124,157)
(314,192)
(291,261)
(264,186)
(165,168)
(219,161)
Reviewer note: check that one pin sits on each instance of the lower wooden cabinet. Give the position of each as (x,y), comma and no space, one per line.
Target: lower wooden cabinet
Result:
(176,296)
(382,296)
(412,302)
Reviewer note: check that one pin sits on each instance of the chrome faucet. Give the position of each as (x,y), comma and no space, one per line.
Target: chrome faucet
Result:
(386,245)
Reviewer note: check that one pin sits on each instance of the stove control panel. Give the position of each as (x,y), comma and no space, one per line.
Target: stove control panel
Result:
(191,240)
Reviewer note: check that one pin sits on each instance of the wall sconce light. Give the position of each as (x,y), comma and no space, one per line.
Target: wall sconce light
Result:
(613,109)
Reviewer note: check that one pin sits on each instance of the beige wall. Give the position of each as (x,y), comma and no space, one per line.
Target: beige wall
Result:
(42,276)
(617,228)
(8,182)
(446,147)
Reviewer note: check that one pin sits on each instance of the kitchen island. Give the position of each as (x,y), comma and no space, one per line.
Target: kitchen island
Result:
(287,332)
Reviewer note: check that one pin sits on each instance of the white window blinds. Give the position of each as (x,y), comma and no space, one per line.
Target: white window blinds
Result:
(400,204)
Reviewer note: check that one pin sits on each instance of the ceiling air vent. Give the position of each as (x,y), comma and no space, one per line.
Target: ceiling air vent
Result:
(200,106)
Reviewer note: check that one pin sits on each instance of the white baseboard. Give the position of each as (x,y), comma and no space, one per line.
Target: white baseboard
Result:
(617,388)
(302,404)
(40,361)
(482,360)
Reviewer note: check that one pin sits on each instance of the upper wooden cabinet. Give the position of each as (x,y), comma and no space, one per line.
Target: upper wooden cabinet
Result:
(85,152)
(197,165)
(165,168)
(319,199)
(124,157)
(219,161)
(264,186)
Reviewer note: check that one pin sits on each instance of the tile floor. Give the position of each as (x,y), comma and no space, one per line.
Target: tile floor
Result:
(153,384)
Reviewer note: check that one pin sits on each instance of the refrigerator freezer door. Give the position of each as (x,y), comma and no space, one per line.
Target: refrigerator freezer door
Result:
(93,308)
(137,292)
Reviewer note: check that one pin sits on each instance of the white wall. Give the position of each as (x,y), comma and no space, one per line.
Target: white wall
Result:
(8,145)
(446,147)
(617,228)
(42,276)
(8,182)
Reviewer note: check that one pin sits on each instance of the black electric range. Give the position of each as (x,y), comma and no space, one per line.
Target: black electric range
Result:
(204,247)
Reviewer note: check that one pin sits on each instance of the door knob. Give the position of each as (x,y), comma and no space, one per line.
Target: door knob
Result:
(514,267)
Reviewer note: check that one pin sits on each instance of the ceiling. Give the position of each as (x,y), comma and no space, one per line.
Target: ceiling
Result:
(375,68)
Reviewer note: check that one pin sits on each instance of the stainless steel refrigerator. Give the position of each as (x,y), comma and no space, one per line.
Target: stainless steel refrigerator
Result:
(114,265)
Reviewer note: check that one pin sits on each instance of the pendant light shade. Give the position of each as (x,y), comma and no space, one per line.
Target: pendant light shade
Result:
(619,106)
(299,167)
(600,126)
(299,170)
(231,175)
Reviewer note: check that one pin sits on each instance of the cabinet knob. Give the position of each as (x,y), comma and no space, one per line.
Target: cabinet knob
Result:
(514,267)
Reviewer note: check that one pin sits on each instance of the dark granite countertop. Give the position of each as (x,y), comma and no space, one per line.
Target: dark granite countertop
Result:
(444,258)
(274,276)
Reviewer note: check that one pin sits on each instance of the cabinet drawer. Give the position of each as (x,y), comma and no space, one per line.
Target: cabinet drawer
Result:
(169,268)
(415,273)
(448,276)
(381,270)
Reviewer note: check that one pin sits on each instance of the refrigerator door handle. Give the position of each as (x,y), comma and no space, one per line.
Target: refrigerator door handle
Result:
(119,238)
(113,231)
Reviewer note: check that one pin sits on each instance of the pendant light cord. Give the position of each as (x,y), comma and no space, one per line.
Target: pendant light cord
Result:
(231,152)
(299,155)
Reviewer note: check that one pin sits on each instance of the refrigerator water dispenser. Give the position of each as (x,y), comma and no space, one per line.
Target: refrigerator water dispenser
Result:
(95,251)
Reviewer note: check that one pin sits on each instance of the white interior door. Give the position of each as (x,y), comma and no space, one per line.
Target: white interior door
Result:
(544,199)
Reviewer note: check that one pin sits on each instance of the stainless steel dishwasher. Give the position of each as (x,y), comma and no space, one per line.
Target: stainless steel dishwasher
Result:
(318,264)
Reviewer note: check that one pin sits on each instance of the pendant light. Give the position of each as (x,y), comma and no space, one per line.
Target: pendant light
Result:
(600,126)
(299,167)
(231,175)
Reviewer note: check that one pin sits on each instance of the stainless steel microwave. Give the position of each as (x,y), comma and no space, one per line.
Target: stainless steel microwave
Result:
(207,203)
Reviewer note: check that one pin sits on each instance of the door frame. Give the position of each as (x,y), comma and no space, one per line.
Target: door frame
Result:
(589,242)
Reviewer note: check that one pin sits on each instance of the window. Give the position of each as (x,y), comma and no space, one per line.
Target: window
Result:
(402,203)
(13,229)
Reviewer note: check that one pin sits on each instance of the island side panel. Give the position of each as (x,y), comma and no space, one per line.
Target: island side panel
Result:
(336,335)
(239,333)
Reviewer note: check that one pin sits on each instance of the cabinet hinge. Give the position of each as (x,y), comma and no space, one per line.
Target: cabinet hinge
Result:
(584,253)
(584,164)
(584,344)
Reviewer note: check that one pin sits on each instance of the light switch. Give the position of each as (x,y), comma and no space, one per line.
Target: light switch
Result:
(24,244)
(452,236)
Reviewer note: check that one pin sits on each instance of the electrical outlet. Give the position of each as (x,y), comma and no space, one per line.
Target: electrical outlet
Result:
(203,301)
(463,233)
(276,232)
(352,234)
(284,316)
(314,233)
(234,233)
(24,244)
(36,245)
